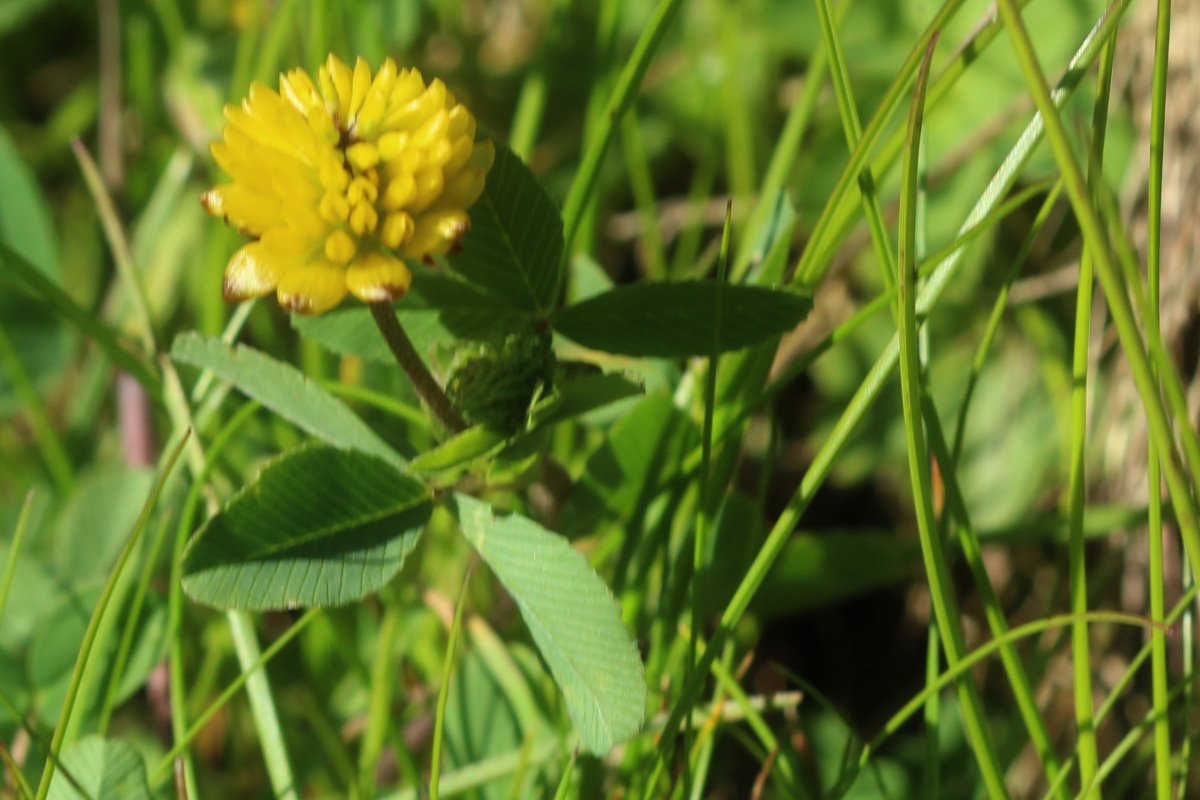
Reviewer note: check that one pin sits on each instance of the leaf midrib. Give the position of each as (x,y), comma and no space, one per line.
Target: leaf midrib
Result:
(532,617)
(522,267)
(329,530)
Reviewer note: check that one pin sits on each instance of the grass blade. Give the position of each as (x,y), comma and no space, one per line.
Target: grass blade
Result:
(937,573)
(58,740)
(1112,283)
(623,93)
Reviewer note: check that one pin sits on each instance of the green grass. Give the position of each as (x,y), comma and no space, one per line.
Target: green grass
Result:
(832,583)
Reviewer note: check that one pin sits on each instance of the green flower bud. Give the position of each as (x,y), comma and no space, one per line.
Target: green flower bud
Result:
(495,384)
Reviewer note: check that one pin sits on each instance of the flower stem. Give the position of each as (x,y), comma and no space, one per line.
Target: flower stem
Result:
(422,380)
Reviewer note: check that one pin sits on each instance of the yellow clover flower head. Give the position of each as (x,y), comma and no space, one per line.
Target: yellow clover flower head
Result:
(340,180)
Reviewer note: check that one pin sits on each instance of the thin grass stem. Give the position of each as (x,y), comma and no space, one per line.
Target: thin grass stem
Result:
(1156,582)
(262,705)
(622,96)
(1113,285)
(89,637)
(852,128)
(439,718)
(54,452)
(14,550)
(1081,661)
(118,243)
(937,573)
(162,769)
(641,183)
(132,614)
(379,706)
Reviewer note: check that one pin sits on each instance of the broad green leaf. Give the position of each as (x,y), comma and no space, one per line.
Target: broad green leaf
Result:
(106,769)
(285,390)
(36,291)
(319,526)
(514,248)
(686,318)
(55,643)
(480,722)
(96,520)
(572,617)
(25,225)
(25,221)
(32,597)
(347,331)
(469,312)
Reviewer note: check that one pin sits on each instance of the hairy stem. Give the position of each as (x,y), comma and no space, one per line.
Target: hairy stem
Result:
(422,380)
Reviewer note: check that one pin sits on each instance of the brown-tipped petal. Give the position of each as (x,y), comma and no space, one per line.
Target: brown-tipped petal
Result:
(312,289)
(252,272)
(378,278)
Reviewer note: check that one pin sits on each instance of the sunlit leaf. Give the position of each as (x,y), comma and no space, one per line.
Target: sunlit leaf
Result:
(285,390)
(572,617)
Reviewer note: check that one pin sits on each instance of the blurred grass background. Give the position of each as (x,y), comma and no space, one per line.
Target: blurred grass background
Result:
(141,85)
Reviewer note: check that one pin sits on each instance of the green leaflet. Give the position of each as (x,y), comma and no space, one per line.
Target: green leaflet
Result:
(285,390)
(319,526)
(105,769)
(514,248)
(572,617)
(684,318)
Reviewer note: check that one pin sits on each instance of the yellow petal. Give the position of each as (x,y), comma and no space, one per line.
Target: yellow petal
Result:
(461,123)
(360,85)
(334,207)
(432,129)
(312,289)
(463,189)
(410,115)
(292,245)
(429,186)
(375,104)
(436,233)
(408,85)
(397,227)
(377,278)
(337,86)
(248,211)
(298,89)
(460,152)
(392,144)
(400,190)
(340,247)
(252,272)
(363,155)
(363,218)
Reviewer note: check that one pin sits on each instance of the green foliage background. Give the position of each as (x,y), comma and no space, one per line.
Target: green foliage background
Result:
(791,467)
